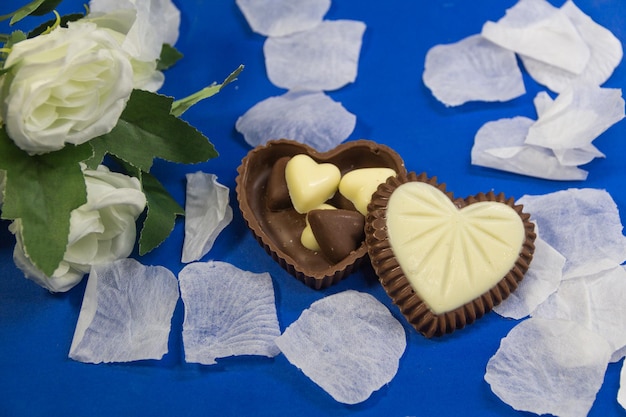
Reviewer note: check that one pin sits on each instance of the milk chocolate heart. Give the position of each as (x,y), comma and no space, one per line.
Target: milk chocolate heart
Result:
(279,231)
(446,262)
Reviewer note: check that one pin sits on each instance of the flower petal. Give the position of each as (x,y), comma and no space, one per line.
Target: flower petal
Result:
(347,343)
(606,54)
(283,17)
(228,312)
(126,313)
(583,225)
(500,145)
(207,213)
(310,118)
(540,281)
(594,301)
(537,29)
(472,69)
(324,58)
(577,117)
(549,367)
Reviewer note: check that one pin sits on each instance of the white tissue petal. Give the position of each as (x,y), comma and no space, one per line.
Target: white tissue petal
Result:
(126,313)
(578,156)
(606,54)
(621,394)
(501,145)
(348,343)
(595,302)
(207,213)
(228,312)
(567,157)
(549,367)
(472,69)
(576,117)
(320,59)
(540,281)
(542,102)
(537,29)
(310,118)
(583,225)
(619,354)
(283,17)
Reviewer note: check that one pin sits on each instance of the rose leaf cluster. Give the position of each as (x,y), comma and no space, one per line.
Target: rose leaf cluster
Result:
(76,92)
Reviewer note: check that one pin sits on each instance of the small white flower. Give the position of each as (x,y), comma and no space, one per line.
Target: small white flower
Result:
(68,86)
(101,230)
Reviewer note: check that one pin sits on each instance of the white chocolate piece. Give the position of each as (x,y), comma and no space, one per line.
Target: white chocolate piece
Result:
(310,184)
(307,238)
(359,185)
(451,256)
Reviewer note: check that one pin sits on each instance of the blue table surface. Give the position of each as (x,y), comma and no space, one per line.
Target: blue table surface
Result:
(442,377)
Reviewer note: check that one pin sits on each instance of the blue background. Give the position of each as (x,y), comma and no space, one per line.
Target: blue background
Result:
(442,377)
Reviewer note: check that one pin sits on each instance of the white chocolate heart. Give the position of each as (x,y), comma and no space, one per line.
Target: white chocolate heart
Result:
(307,238)
(359,185)
(450,256)
(310,184)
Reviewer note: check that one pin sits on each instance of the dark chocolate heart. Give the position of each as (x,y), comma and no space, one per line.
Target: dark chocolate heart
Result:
(279,231)
(338,232)
(277,191)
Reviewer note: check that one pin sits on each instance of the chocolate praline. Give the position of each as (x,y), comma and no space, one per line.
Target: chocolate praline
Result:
(278,231)
(396,282)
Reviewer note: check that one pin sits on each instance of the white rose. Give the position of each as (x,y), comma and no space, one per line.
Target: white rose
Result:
(101,230)
(68,86)
(146,76)
(157,23)
(121,23)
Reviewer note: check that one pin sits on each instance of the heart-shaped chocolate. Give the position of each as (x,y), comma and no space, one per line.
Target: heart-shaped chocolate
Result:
(279,231)
(309,183)
(359,185)
(338,232)
(446,262)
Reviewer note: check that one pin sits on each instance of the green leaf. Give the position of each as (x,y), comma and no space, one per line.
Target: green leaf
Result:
(22,12)
(63,23)
(15,37)
(169,56)
(42,191)
(12,39)
(161,214)
(46,7)
(146,130)
(184,104)
(99,152)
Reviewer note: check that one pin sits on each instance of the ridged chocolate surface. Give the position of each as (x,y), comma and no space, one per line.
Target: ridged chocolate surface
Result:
(396,283)
(278,231)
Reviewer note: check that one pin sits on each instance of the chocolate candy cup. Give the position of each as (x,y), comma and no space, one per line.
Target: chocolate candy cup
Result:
(278,231)
(396,283)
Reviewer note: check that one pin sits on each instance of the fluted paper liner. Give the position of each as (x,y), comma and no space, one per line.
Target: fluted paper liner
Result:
(396,284)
